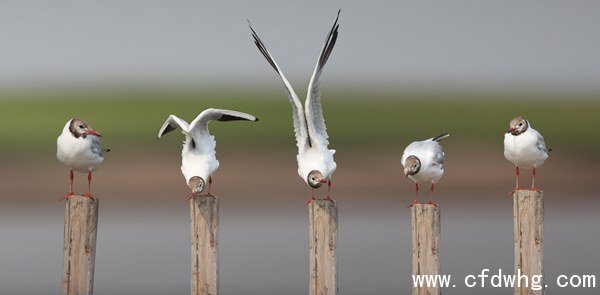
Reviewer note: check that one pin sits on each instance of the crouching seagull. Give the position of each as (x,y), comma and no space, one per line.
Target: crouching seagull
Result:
(315,159)
(423,162)
(78,147)
(198,156)
(525,148)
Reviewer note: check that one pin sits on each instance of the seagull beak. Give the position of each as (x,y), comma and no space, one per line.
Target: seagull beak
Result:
(323,181)
(406,173)
(94,132)
(511,130)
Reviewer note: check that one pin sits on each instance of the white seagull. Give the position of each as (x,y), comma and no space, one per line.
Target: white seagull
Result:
(315,159)
(423,162)
(198,156)
(524,147)
(78,147)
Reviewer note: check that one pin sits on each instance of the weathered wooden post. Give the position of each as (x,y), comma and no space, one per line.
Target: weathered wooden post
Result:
(81,224)
(528,214)
(426,244)
(323,225)
(204,221)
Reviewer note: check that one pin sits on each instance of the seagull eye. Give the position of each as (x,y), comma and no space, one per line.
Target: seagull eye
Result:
(81,126)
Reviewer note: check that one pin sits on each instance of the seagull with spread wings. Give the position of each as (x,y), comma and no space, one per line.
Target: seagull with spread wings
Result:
(315,159)
(198,156)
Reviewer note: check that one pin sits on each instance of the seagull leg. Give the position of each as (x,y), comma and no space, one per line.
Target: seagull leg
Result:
(209,187)
(430,195)
(89,193)
(328,198)
(415,202)
(517,172)
(193,195)
(312,196)
(71,177)
(533,188)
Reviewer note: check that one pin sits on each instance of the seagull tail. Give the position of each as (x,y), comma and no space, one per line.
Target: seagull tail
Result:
(441,136)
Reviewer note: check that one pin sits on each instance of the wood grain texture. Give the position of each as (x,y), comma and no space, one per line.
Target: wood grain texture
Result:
(323,226)
(426,229)
(204,221)
(528,214)
(79,247)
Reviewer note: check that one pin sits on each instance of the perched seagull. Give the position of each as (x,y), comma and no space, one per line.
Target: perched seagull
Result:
(78,146)
(423,161)
(524,147)
(198,156)
(315,159)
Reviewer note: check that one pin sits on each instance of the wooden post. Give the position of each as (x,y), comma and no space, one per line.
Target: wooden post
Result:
(323,224)
(528,214)
(426,244)
(204,220)
(81,224)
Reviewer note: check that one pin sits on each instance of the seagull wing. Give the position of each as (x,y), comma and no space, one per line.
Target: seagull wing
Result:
(314,111)
(300,127)
(540,143)
(171,124)
(199,127)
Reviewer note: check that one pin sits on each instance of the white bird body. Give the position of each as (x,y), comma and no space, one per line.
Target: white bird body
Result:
(526,150)
(198,155)
(81,154)
(201,161)
(315,158)
(309,123)
(430,154)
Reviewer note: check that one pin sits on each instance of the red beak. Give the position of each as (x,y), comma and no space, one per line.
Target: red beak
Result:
(95,133)
(323,181)
(511,130)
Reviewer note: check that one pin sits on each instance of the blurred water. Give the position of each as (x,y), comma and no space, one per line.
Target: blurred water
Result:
(264,250)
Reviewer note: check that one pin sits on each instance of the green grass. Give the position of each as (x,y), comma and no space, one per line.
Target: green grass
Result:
(132,119)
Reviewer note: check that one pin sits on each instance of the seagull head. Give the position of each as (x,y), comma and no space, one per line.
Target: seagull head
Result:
(315,179)
(196,184)
(81,128)
(412,165)
(518,125)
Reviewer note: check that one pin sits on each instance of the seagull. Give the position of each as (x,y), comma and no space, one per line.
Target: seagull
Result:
(198,156)
(78,147)
(315,159)
(524,147)
(423,161)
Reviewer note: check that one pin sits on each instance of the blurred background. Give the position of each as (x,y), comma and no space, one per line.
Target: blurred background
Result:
(401,71)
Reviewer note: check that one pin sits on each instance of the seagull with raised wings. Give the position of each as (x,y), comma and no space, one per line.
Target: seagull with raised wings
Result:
(423,163)
(78,147)
(198,156)
(525,148)
(315,159)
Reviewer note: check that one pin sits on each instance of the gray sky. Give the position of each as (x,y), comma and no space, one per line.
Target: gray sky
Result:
(420,43)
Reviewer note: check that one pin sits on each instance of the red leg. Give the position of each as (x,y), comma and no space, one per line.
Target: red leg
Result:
(534,173)
(71,177)
(312,196)
(89,193)
(415,202)
(431,195)
(209,186)
(517,173)
(329,191)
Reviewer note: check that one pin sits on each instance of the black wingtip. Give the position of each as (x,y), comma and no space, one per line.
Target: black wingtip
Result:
(256,119)
(442,136)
